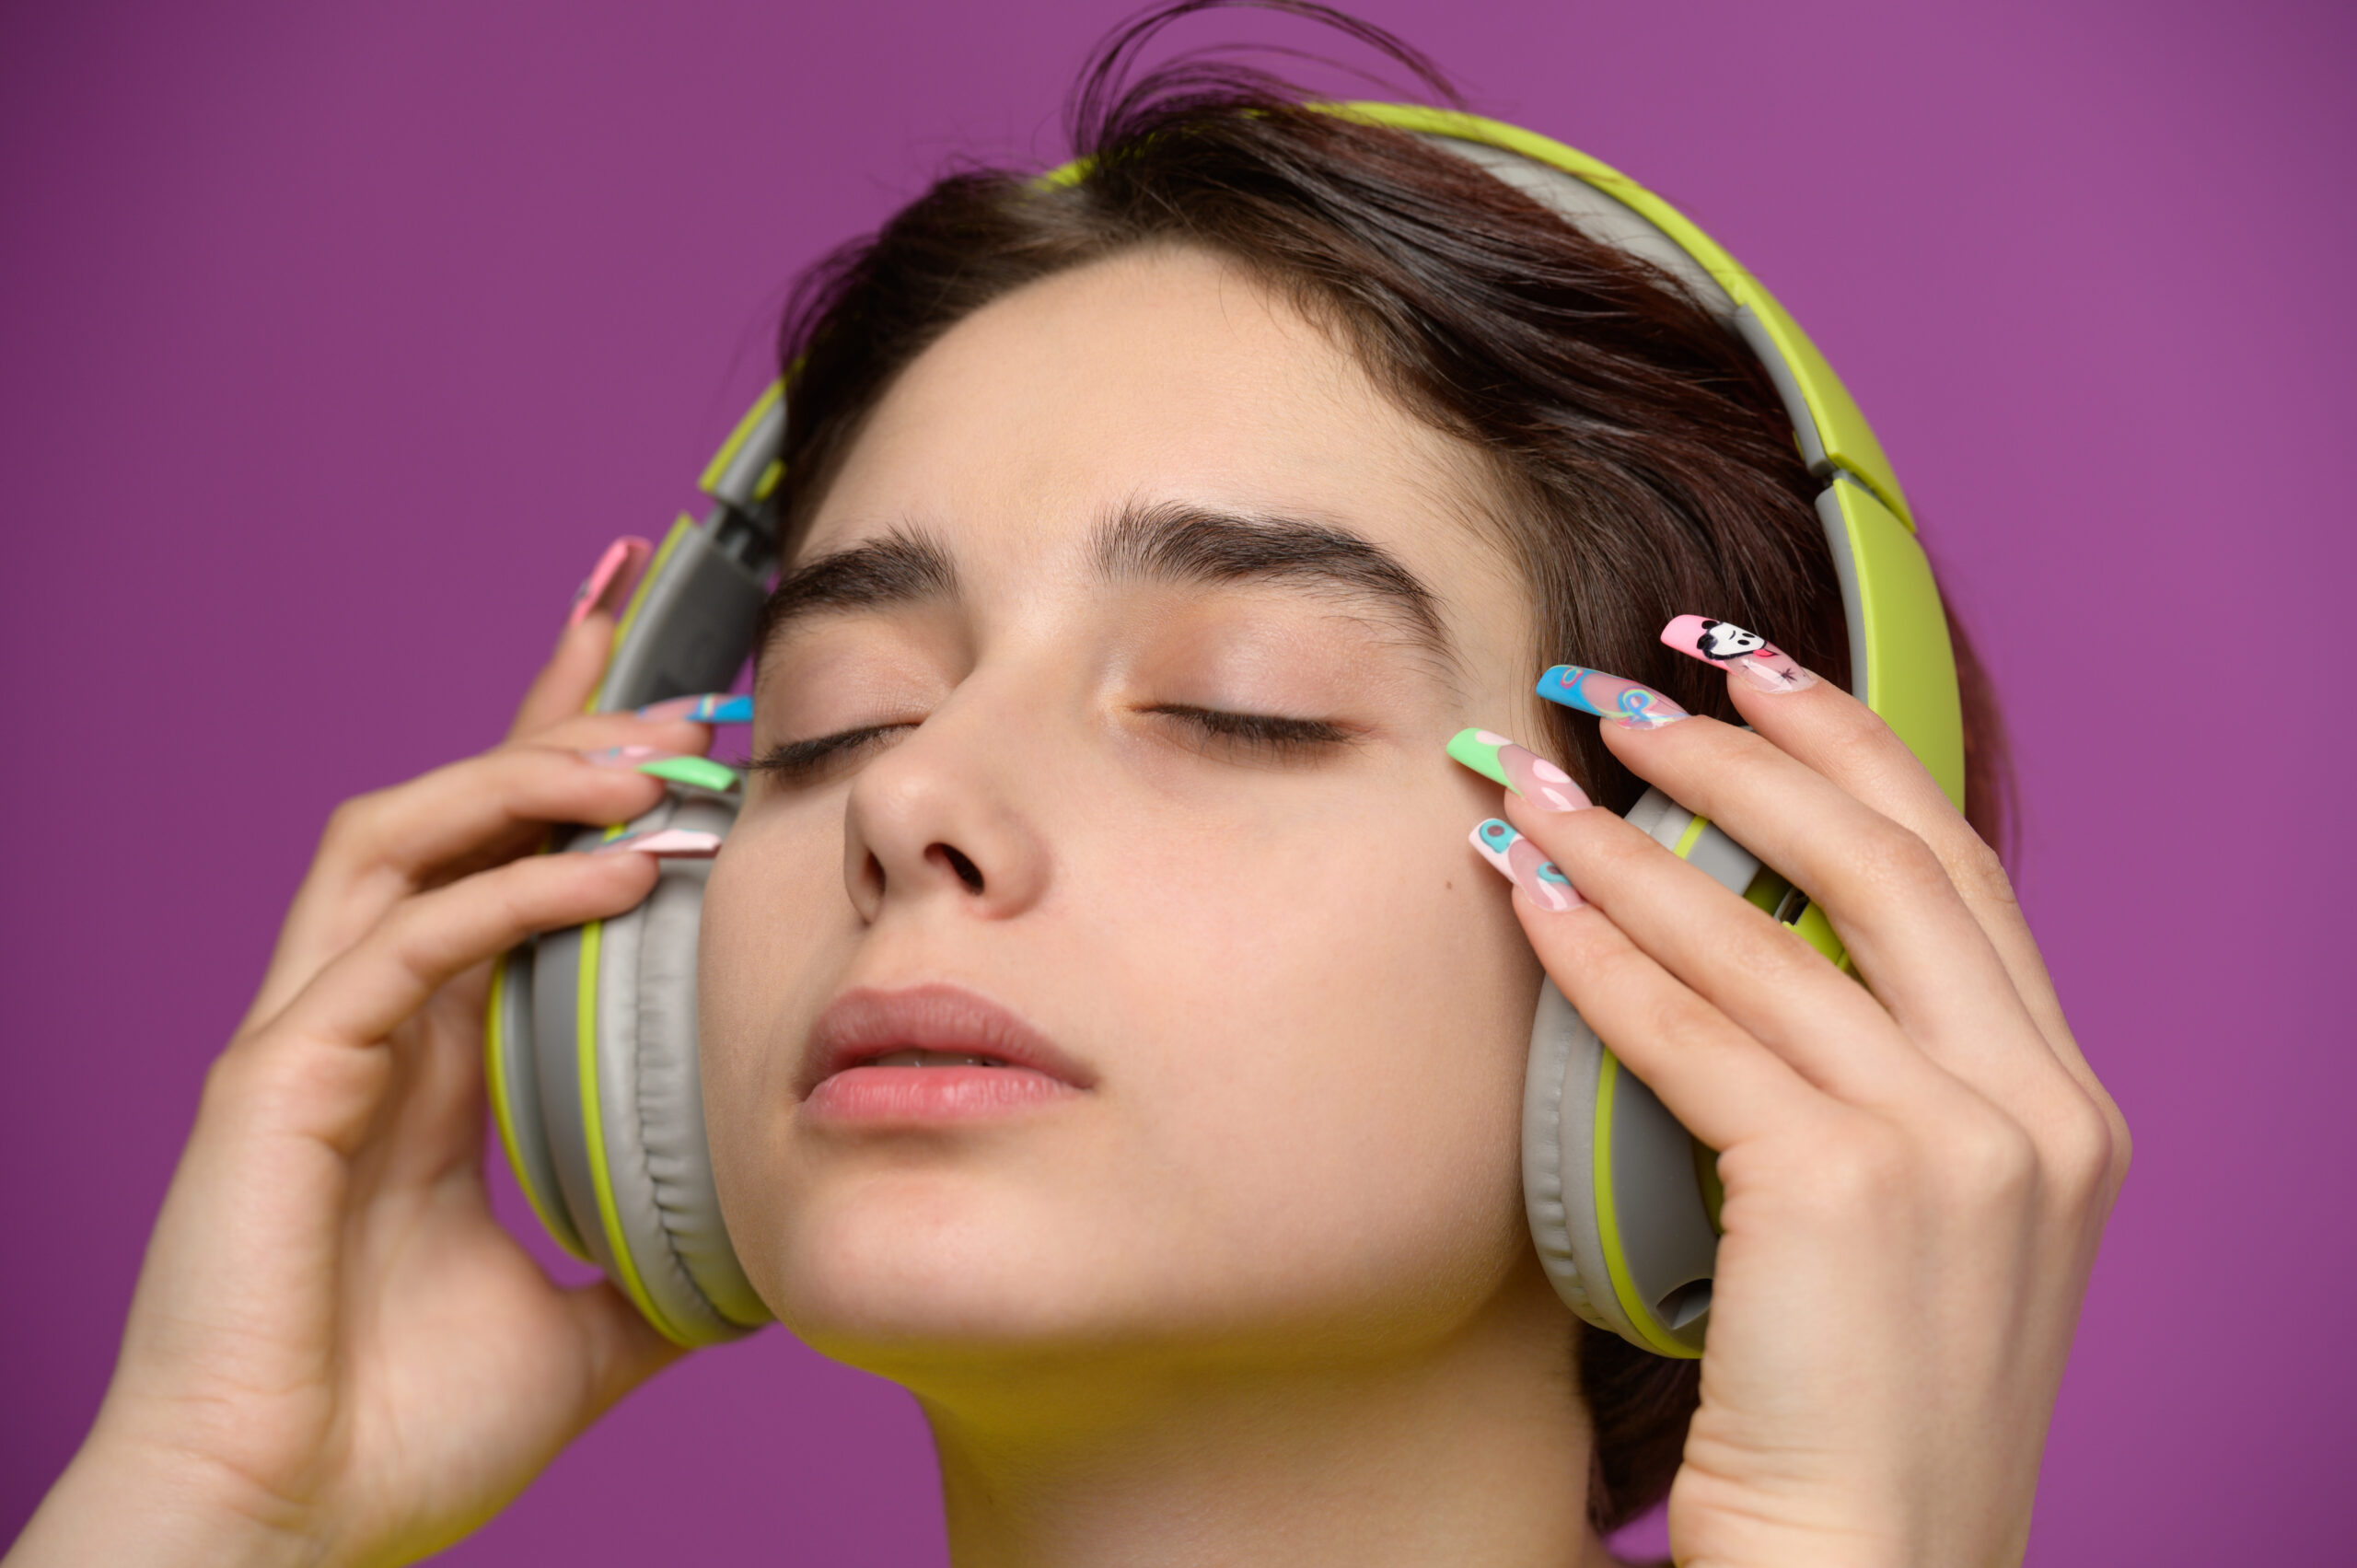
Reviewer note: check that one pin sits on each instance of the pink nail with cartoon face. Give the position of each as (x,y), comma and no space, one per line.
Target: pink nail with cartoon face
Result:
(608,584)
(1765,666)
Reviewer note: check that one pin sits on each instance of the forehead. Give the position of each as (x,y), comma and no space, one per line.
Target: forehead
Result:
(1162,375)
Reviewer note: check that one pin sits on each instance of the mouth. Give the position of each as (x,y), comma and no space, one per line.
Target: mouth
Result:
(928,1054)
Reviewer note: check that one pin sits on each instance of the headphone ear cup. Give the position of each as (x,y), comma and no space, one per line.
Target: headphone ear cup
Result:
(1558,1161)
(1614,1189)
(1620,1198)
(620,1096)
(512,1073)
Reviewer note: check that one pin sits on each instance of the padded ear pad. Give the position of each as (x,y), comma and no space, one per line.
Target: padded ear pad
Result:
(608,1124)
(1615,1189)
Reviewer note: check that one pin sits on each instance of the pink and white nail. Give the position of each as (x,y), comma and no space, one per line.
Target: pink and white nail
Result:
(1535,778)
(676,844)
(1721,642)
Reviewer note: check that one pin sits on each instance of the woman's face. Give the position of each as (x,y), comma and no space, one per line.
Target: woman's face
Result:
(1268,1100)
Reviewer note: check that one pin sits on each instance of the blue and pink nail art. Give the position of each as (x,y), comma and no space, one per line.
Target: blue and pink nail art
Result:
(1609,697)
(716,707)
(1519,862)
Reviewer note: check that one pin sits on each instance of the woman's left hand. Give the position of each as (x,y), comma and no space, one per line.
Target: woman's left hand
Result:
(1916,1170)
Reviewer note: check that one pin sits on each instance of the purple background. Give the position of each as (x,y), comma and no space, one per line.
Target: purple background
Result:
(335,342)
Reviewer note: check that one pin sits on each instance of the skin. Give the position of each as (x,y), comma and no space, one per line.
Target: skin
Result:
(1263,1288)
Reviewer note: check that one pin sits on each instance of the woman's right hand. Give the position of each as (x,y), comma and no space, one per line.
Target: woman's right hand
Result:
(335,1354)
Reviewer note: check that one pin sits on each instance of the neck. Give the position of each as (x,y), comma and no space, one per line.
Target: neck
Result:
(1471,1450)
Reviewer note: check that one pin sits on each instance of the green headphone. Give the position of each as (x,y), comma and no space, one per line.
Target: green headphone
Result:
(591,1037)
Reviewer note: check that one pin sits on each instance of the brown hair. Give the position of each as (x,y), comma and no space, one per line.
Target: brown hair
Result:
(1648,463)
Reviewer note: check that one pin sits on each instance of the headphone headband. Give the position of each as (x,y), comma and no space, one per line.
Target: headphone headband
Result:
(689,625)
(593,1066)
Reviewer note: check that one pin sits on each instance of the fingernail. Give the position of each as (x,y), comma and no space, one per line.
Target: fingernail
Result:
(713,707)
(1521,770)
(1767,667)
(623,756)
(678,767)
(697,773)
(608,584)
(676,844)
(1519,862)
(1609,697)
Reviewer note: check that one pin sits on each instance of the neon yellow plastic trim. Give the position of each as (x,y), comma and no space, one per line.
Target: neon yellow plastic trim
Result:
(1849,440)
(1818,932)
(503,1114)
(593,1124)
(1909,660)
(738,437)
(1608,1225)
(1690,837)
(679,530)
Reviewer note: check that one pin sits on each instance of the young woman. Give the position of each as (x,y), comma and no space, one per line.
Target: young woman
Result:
(1150,535)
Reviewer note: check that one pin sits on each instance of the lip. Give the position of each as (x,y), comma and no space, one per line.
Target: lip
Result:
(839,1083)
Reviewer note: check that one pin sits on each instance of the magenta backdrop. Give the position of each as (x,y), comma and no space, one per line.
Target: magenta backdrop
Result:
(338,339)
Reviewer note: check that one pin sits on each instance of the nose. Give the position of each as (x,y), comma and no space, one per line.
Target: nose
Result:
(940,816)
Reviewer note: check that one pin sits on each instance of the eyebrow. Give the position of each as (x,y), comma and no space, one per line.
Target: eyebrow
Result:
(1172,543)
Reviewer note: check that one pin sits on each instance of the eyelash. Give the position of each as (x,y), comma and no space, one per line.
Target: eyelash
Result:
(1267,736)
(795,761)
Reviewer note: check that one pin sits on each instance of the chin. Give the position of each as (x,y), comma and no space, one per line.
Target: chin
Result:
(910,1267)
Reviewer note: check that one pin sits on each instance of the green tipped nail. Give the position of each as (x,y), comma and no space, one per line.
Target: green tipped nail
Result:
(1477,749)
(697,773)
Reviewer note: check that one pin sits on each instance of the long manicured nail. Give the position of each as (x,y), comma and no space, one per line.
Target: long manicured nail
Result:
(1609,697)
(678,767)
(713,707)
(1519,862)
(608,584)
(675,843)
(624,756)
(1521,770)
(1767,667)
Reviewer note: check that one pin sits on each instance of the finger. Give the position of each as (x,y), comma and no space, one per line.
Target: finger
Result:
(1907,931)
(381,847)
(567,681)
(1766,981)
(1838,736)
(1725,1086)
(362,995)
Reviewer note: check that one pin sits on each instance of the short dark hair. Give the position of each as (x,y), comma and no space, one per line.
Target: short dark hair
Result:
(1648,464)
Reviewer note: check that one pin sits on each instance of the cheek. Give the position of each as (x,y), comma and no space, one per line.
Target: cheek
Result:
(1341,1102)
(770,942)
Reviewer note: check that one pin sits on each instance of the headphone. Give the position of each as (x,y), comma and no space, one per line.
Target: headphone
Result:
(591,1036)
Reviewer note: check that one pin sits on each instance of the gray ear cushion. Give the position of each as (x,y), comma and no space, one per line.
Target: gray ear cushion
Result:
(649,1093)
(1558,1161)
(679,1191)
(1666,1237)
(527,1120)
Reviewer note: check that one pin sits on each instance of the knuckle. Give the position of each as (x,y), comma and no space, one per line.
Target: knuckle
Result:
(1988,1160)
(1861,1164)
(1974,867)
(2086,1151)
(352,823)
(1892,862)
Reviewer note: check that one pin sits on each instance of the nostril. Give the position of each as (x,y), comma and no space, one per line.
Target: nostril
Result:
(967,872)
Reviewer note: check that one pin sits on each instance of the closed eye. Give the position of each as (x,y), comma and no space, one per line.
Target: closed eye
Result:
(796,761)
(1262,737)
